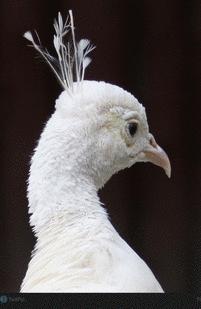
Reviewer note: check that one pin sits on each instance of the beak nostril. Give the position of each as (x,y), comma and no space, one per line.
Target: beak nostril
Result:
(156,155)
(152,141)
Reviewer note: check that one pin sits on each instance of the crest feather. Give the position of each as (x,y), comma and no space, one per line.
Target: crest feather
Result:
(72,58)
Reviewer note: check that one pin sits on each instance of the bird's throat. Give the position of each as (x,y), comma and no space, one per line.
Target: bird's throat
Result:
(68,199)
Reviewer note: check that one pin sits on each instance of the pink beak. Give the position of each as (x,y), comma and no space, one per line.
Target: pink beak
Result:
(156,155)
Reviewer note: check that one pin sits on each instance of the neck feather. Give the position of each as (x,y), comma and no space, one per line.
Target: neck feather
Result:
(60,180)
(71,197)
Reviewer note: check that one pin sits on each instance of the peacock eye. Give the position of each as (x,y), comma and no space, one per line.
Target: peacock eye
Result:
(132,128)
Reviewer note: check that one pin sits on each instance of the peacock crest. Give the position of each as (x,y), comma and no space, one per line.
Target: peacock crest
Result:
(71,59)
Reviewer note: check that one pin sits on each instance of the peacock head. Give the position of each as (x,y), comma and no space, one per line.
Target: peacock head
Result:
(110,128)
(98,128)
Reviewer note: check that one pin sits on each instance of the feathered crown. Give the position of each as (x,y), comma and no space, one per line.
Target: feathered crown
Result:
(72,57)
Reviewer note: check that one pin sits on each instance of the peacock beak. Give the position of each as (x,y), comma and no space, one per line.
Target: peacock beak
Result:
(156,155)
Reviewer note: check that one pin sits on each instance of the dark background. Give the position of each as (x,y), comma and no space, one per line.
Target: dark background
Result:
(150,48)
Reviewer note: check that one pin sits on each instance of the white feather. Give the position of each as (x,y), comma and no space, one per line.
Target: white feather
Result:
(83,144)
(83,49)
(86,61)
(29,36)
(77,248)
(46,56)
(70,59)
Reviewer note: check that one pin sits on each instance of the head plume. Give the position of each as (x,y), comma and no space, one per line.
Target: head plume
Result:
(72,57)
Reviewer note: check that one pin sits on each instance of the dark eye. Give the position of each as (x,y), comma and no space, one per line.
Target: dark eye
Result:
(132,128)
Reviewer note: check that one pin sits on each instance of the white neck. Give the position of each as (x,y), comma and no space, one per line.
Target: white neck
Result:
(70,196)
(58,183)
(65,227)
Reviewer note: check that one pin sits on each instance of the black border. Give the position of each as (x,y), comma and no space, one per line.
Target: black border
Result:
(88,301)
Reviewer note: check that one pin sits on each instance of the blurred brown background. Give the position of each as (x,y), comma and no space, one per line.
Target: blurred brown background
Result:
(150,48)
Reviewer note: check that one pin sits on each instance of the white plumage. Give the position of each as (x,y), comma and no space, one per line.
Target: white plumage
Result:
(96,130)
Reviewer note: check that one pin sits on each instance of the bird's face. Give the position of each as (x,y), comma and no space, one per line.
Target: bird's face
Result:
(131,140)
(115,129)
